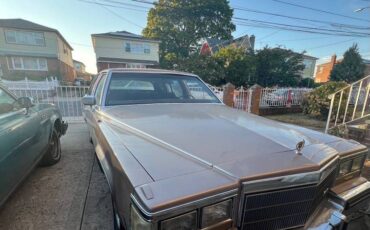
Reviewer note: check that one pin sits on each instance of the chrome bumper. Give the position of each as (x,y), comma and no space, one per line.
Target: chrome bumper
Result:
(338,210)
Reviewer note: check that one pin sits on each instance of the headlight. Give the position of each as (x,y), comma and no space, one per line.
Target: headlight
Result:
(345,168)
(216,213)
(357,163)
(348,166)
(137,222)
(186,221)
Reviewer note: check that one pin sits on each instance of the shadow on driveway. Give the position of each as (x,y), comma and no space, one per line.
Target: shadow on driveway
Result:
(72,194)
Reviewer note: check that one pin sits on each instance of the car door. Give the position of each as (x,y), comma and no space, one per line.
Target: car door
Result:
(18,142)
(97,91)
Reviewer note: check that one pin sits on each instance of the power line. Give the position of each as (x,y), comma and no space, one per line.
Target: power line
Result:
(302,28)
(331,44)
(335,24)
(123,18)
(109,5)
(105,6)
(322,11)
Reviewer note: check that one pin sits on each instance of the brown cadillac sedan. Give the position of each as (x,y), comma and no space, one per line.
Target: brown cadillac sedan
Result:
(175,157)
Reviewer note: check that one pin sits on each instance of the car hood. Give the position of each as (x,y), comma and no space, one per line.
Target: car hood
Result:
(243,145)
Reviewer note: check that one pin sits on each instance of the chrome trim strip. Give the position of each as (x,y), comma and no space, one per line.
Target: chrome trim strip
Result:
(290,180)
(152,138)
(349,194)
(183,208)
(216,226)
(164,144)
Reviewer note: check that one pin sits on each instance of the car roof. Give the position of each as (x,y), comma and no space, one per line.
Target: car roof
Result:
(160,71)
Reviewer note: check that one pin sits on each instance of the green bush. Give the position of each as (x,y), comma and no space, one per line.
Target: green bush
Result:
(317,102)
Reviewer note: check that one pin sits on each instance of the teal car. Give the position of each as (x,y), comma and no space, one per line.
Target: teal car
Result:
(29,136)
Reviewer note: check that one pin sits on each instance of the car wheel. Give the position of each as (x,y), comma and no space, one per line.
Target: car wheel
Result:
(53,153)
(117,223)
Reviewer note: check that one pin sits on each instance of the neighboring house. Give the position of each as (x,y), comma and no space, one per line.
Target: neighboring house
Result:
(123,49)
(323,70)
(212,45)
(79,66)
(80,69)
(309,66)
(28,49)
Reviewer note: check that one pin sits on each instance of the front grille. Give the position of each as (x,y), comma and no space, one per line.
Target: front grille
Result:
(285,208)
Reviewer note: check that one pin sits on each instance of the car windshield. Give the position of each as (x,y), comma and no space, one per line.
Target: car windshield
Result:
(146,88)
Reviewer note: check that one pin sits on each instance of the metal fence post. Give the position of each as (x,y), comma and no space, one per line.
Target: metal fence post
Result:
(329,115)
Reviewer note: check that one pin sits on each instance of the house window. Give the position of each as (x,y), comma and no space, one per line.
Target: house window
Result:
(321,69)
(25,37)
(137,48)
(29,63)
(147,49)
(135,65)
(127,47)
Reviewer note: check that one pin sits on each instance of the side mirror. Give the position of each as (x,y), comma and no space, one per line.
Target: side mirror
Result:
(25,102)
(88,100)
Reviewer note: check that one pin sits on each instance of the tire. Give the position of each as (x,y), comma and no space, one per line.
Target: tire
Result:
(53,153)
(117,223)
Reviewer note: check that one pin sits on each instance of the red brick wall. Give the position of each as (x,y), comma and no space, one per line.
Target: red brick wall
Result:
(323,71)
(105,65)
(55,68)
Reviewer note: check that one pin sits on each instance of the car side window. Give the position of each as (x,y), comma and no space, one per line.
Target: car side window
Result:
(92,84)
(99,90)
(7,102)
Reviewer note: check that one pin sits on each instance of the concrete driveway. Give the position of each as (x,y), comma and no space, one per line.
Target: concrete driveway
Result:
(72,194)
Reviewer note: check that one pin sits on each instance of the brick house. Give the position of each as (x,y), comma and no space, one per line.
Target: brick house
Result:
(323,70)
(81,73)
(31,50)
(123,49)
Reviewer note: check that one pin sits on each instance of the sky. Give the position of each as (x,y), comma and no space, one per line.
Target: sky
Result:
(76,20)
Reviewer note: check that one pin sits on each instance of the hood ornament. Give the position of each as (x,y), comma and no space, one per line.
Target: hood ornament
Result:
(299,147)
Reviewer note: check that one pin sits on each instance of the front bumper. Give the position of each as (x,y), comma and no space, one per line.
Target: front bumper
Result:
(344,204)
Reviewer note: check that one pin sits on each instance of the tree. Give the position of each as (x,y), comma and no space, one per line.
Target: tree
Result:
(180,24)
(206,67)
(240,67)
(278,67)
(351,68)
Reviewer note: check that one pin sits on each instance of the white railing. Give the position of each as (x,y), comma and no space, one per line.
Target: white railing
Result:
(243,99)
(349,104)
(47,84)
(66,98)
(282,97)
(219,91)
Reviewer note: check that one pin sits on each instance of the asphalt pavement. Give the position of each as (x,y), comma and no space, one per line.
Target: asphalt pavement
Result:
(72,194)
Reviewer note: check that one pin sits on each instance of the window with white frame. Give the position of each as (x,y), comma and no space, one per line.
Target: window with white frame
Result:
(25,37)
(29,63)
(137,48)
(135,66)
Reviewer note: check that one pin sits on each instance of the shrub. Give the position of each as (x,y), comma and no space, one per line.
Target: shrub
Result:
(317,102)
